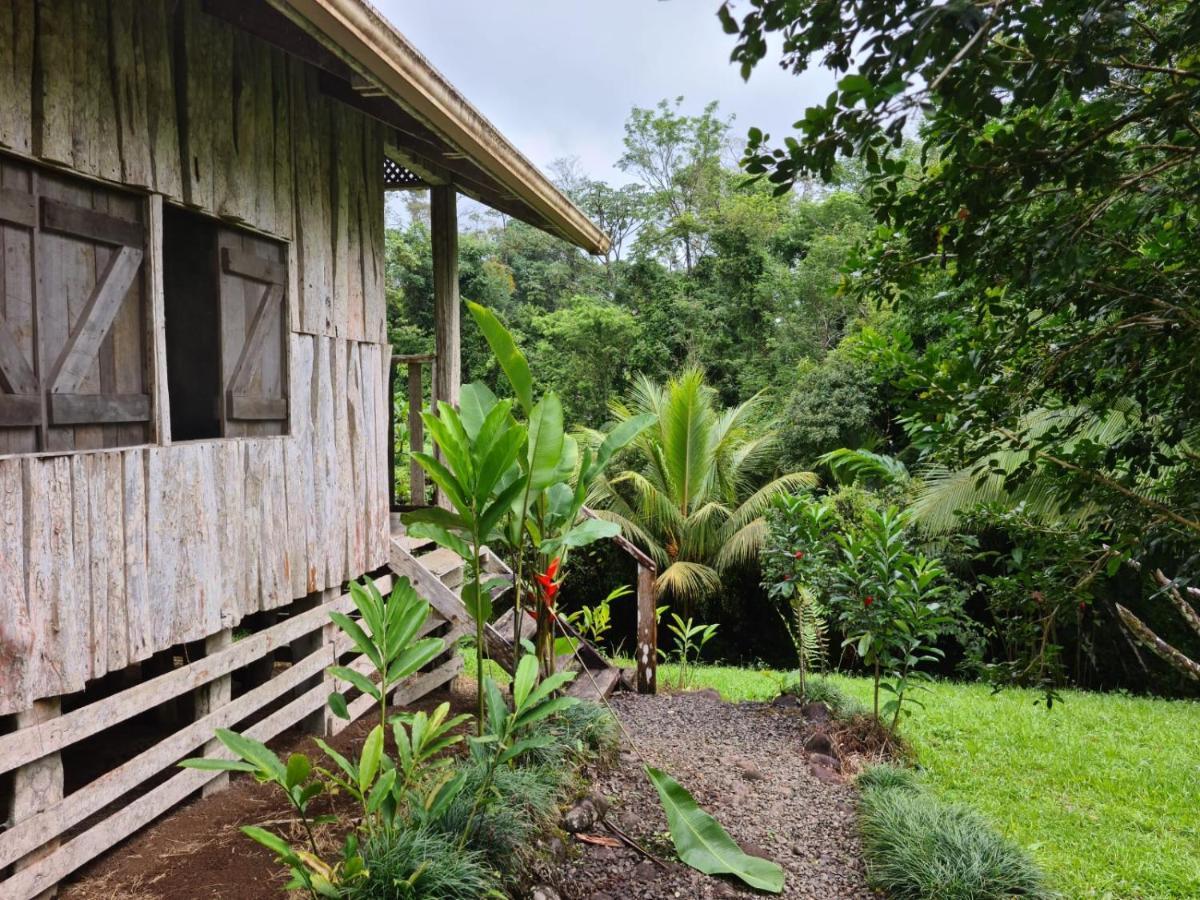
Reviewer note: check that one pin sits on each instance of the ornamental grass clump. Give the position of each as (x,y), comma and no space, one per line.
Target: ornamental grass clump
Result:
(918,847)
(419,863)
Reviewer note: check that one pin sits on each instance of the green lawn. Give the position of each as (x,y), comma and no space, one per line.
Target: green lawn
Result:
(1103,790)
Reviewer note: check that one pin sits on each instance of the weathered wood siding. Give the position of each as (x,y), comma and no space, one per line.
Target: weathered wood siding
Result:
(109,556)
(160,95)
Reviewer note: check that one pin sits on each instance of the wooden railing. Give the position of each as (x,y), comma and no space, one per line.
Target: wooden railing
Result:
(416,428)
(646,650)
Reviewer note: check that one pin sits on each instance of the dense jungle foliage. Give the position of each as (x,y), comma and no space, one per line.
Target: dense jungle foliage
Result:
(978,264)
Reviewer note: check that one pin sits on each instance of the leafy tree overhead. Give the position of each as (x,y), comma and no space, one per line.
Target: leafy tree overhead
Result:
(1055,197)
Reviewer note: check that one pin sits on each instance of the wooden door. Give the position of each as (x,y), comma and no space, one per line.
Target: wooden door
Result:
(253,312)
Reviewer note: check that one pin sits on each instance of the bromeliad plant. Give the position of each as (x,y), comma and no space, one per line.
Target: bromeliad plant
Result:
(890,606)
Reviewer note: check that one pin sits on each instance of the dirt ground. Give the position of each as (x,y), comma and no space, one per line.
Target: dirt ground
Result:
(197,851)
(744,763)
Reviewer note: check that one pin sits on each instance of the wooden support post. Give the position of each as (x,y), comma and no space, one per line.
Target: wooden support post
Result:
(416,435)
(447,368)
(322,641)
(38,785)
(209,698)
(647,631)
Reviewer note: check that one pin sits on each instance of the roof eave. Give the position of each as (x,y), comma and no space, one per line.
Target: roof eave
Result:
(400,68)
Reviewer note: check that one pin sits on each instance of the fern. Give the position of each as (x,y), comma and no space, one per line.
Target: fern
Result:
(807,625)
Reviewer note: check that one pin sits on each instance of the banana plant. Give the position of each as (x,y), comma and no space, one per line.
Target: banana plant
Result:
(388,642)
(479,449)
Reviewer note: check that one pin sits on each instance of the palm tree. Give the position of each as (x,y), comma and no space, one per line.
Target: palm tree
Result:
(695,497)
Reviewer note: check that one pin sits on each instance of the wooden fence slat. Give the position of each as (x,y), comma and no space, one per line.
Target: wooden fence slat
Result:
(30,834)
(29,744)
(91,843)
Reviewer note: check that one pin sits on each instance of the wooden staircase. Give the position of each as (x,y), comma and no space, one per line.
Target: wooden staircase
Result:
(437,575)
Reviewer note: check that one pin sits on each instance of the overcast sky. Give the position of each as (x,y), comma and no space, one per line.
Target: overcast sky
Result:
(558,77)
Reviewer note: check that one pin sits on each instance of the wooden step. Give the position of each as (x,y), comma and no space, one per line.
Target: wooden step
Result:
(595,684)
(441,562)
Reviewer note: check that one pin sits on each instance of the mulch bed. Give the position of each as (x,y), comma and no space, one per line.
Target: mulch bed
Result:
(747,765)
(744,763)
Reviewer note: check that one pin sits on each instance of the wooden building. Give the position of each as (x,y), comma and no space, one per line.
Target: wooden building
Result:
(194,407)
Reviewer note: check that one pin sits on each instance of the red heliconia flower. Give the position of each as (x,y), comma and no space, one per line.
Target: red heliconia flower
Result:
(549,585)
(868,600)
(799,554)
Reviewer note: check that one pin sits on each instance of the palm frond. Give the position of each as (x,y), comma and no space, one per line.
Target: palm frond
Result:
(688,581)
(758,502)
(743,545)
(855,464)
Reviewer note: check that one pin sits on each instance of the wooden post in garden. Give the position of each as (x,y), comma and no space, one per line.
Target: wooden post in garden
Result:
(647,630)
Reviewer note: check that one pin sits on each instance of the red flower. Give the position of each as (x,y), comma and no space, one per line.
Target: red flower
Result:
(799,554)
(787,577)
(1082,606)
(549,585)
(868,600)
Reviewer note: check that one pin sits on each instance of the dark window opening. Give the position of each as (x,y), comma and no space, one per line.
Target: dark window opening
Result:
(192,312)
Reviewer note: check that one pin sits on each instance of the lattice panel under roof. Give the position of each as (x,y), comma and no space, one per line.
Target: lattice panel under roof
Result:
(396,177)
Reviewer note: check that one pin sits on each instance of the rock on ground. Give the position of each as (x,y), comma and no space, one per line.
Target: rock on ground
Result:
(747,765)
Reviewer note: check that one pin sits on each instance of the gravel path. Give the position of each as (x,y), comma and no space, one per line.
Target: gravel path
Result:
(745,764)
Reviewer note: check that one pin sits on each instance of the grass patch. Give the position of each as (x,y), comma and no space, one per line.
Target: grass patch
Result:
(918,847)
(1103,790)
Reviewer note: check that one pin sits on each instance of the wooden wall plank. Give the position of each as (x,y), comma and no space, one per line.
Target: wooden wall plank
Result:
(157,51)
(51,103)
(60,665)
(16,75)
(129,78)
(82,607)
(195,72)
(16,629)
(139,603)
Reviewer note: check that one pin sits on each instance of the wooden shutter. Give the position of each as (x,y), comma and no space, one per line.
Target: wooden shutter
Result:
(253,295)
(73,338)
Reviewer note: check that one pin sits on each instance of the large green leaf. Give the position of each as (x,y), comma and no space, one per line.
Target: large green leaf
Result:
(618,438)
(512,360)
(704,845)
(475,401)
(545,448)
(586,532)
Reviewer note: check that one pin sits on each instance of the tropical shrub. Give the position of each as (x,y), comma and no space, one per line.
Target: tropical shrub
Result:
(696,486)
(798,574)
(520,486)
(888,602)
